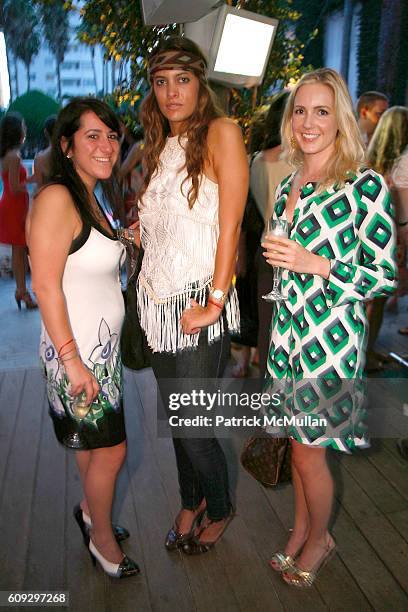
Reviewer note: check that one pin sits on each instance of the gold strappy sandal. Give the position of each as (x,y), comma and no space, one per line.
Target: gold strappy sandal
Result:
(299,578)
(280,562)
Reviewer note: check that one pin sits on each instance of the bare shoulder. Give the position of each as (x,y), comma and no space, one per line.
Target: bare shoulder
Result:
(54,199)
(224,128)
(12,158)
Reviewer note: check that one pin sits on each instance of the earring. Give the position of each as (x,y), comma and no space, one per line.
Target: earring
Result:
(293,142)
(68,156)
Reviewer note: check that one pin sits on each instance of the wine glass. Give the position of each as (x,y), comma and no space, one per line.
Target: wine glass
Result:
(278,228)
(79,408)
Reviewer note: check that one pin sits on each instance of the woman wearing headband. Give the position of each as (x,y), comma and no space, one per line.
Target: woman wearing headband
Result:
(191,207)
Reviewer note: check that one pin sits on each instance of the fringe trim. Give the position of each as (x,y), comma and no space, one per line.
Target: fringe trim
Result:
(160,318)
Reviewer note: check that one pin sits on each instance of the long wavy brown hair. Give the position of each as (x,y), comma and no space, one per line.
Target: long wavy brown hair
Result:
(156,127)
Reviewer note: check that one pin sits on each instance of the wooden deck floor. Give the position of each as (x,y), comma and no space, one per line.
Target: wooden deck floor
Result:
(41,548)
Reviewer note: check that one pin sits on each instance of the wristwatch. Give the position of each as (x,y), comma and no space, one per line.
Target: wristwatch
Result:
(218,294)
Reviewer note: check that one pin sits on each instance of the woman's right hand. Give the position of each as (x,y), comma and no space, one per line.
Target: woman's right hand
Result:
(81,379)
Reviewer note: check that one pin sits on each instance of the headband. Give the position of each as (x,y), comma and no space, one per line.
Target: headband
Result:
(176,60)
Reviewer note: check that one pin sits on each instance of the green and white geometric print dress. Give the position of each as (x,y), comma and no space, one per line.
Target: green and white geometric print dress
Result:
(92,289)
(318,335)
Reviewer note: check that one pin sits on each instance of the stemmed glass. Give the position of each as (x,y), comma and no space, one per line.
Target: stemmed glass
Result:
(79,410)
(127,238)
(278,228)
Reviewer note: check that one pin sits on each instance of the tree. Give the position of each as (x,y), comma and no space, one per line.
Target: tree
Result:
(55,23)
(35,107)
(21,32)
(118,27)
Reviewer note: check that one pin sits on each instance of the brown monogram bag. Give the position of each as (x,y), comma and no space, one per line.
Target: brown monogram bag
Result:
(267,459)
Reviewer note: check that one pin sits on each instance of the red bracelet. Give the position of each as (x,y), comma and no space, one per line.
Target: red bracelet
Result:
(215,303)
(64,345)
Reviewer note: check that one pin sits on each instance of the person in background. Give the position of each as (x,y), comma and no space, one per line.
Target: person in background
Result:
(14,202)
(42,161)
(130,171)
(370,106)
(387,144)
(75,260)
(399,177)
(190,209)
(338,254)
(268,169)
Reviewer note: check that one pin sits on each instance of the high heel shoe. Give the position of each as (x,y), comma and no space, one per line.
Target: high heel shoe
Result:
(195,546)
(85,523)
(127,567)
(175,539)
(299,578)
(280,562)
(25,296)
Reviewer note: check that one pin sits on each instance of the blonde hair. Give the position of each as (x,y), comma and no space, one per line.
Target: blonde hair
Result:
(389,140)
(349,150)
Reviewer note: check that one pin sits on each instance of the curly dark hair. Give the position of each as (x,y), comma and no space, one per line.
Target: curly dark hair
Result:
(11,132)
(62,169)
(156,126)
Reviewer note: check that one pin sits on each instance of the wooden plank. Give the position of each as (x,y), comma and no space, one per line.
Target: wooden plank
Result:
(268,535)
(386,541)
(169,588)
(46,538)
(373,578)
(335,584)
(400,521)
(382,494)
(133,593)
(19,479)
(393,469)
(209,580)
(87,584)
(10,404)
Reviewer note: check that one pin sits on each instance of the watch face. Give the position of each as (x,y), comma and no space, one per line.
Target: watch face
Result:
(217,294)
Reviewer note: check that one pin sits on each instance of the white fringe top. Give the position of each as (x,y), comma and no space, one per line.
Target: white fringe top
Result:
(179,253)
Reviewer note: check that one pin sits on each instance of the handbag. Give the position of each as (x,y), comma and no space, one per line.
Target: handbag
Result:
(134,348)
(267,459)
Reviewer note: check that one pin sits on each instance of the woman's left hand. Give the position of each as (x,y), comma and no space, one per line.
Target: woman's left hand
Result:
(196,317)
(288,254)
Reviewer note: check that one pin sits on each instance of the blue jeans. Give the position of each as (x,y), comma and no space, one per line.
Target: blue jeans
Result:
(201,463)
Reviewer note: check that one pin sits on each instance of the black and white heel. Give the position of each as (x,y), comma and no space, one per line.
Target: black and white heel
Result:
(127,567)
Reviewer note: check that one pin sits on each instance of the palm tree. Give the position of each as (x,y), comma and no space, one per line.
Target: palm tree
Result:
(55,24)
(21,31)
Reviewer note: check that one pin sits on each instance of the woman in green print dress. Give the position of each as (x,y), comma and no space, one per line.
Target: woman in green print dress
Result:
(340,252)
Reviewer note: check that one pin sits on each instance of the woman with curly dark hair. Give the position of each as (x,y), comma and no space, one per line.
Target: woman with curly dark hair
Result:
(191,207)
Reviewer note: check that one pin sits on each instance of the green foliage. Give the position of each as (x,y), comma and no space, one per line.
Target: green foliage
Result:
(35,107)
(119,28)
(310,30)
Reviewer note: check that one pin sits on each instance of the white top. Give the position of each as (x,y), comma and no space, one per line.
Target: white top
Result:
(399,172)
(179,252)
(264,180)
